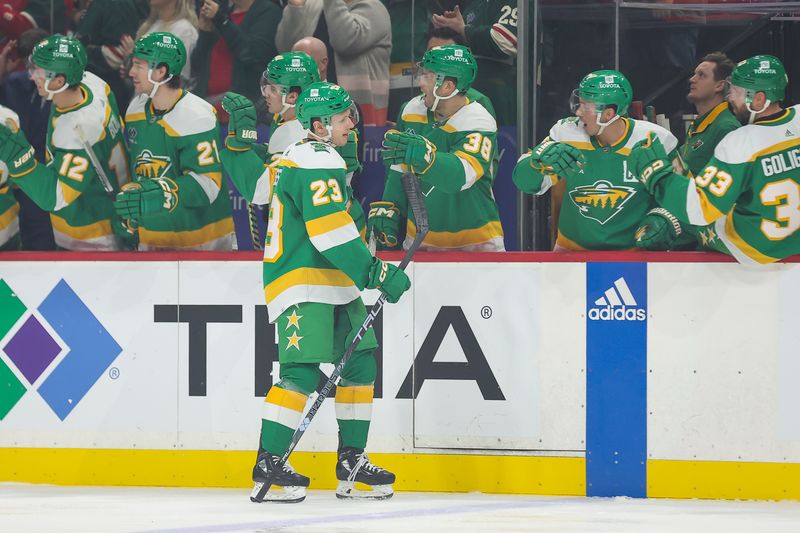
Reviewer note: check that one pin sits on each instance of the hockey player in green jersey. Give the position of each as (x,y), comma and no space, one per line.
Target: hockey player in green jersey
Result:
(747,198)
(248,163)
(449,142)
(604,202)
(69,185)
(179,198)
(315,266)
(708,92)
(9,208)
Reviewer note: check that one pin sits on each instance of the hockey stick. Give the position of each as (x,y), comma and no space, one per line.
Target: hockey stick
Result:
(101,173)
(255,234)
(415,200)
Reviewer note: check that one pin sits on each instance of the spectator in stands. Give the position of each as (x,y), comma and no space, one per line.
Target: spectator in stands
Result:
(360,35)
(409,28)
(19,16)
(101,28)
(174,16)
(235,44)
(490,29)
(318,52)
(19,93)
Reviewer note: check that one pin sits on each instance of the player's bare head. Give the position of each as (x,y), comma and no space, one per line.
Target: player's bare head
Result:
(317,50)
(442,36)
(708,82)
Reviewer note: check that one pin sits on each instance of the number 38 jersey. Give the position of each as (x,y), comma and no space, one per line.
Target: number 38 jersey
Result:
(750,190)
(180,146)
(68,186)
(462,212)
(312,251)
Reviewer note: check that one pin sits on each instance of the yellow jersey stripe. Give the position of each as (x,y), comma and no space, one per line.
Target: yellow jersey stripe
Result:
(186,239)
(473,162)
(779,147)
(747,249)
(101,228)
(306,276)
(710,211)
(321,225)
(9,216)
(447,239)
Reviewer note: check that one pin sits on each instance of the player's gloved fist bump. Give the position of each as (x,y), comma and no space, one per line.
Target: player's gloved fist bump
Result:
(146,197)
(409,148)
(384,223)
(16,152)
(242,122)
(389,279)
(557,158)
(349,153)
(658,231)
(649,160)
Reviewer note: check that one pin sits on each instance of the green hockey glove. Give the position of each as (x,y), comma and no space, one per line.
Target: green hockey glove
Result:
(650,162)
(561,159)
(349,153)
(389,279)
(384,223)
(242,122)
(658,231)
(410,149)
(125,231)
(146,197)
(16,151)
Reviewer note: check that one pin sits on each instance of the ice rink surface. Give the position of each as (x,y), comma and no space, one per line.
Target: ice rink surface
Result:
(43,508)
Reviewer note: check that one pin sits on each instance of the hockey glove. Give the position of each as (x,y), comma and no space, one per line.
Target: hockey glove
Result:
(650,162)
(16,151)
(242,123)
(349,153)
(658,231)
(389,279)
(561,159)
(410,149)
(146,197)
(384,223)
(125,231)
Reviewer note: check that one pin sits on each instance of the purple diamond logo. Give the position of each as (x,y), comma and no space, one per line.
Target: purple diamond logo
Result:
(32,349)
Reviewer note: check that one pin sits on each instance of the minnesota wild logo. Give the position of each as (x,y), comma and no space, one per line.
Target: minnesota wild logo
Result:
(151,166)
(602,200)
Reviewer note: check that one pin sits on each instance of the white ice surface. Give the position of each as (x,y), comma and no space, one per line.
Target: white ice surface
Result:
(43,508)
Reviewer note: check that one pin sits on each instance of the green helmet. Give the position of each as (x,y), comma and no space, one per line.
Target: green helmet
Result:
(60,55)
(762,73)
(604,88)
(292,69)
(321,100)
(161,47)
(451,60)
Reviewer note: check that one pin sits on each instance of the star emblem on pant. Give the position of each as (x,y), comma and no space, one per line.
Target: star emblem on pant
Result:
(293,320)
(294,341)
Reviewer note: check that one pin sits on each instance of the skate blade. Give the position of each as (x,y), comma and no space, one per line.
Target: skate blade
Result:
(278,494)
(349,490)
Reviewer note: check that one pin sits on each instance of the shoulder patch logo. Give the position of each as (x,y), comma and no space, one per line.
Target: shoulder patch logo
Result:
(602,200)
(152,166)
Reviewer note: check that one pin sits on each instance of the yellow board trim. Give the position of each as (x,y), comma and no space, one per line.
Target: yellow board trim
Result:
(327,223)
(448,239)
(723,480)
(306,276)
(500,474)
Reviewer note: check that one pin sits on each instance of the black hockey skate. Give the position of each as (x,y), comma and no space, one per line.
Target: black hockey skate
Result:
(287,485)
(354,467)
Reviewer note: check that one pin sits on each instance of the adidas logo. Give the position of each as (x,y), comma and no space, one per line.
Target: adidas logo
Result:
(617,303)
(789,133)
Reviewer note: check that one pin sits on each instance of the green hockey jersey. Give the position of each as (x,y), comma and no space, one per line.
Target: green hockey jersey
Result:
(749,190)
(69,185)
(604,203)
(462,212)
(181,145)
(705,132)
(253,170)
(313,251)
(9,208)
